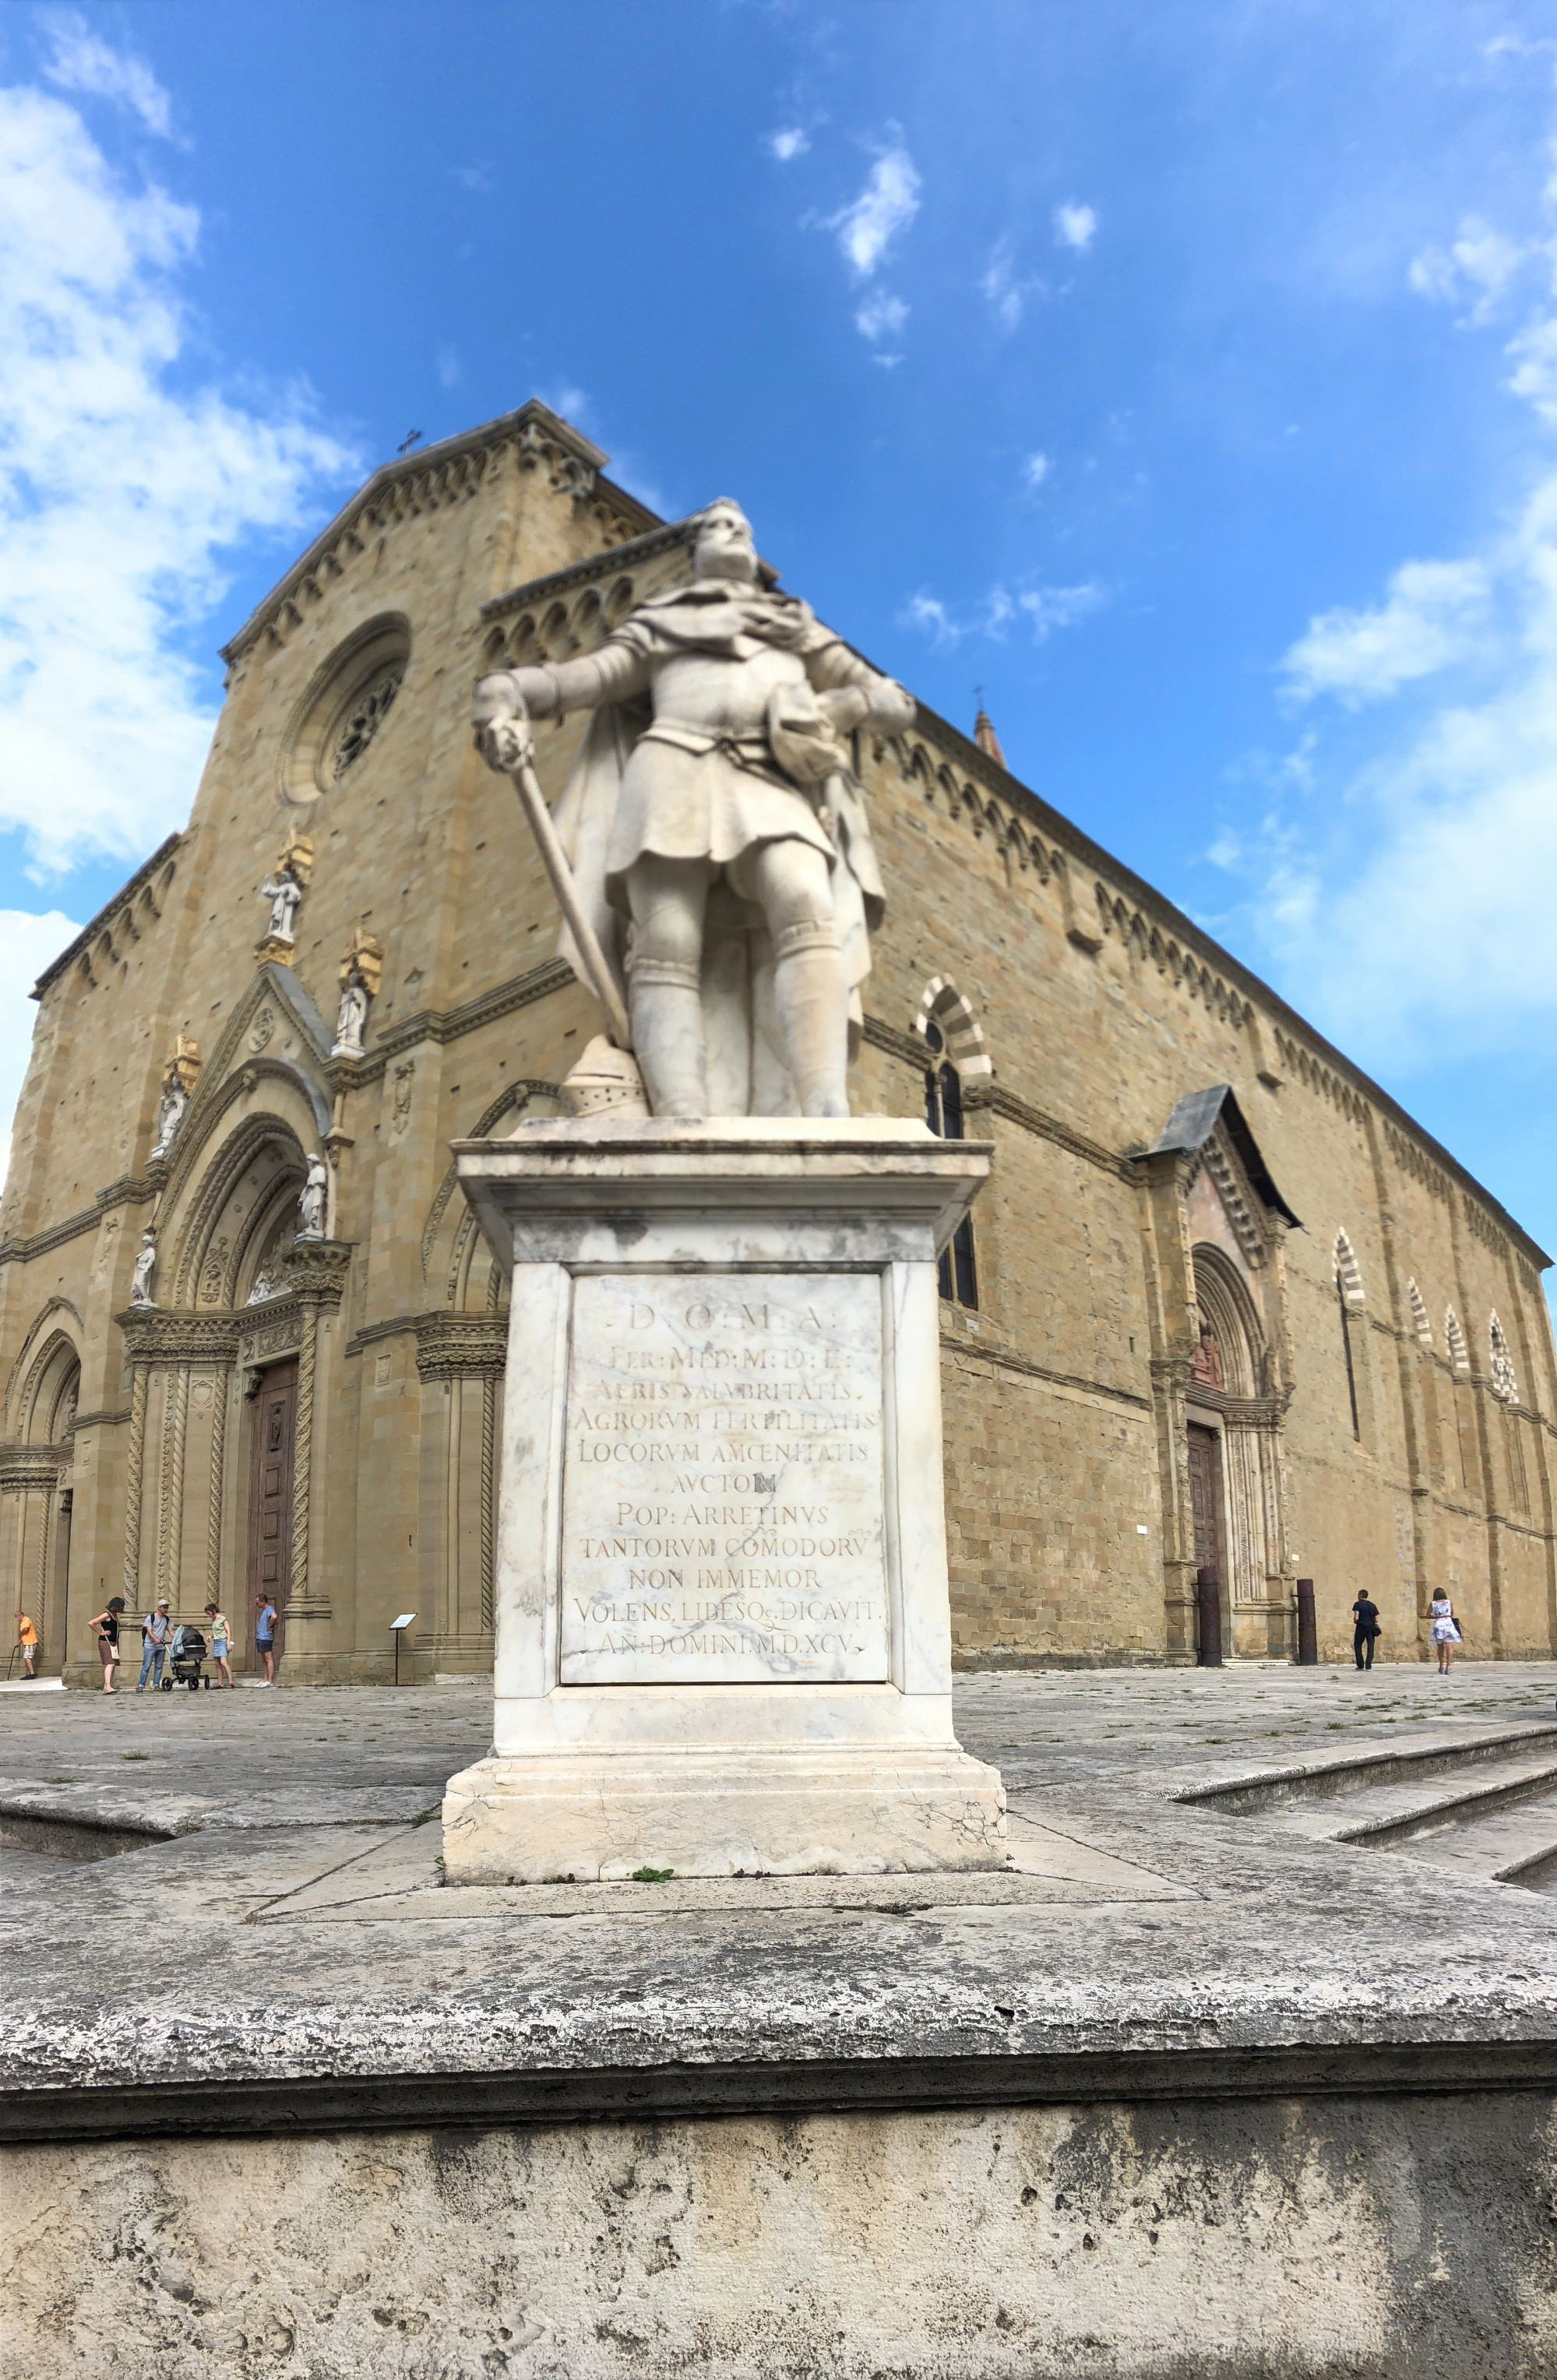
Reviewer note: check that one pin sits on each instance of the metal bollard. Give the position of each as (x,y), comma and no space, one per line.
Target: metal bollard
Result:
(1209,1650)
(1308,1631)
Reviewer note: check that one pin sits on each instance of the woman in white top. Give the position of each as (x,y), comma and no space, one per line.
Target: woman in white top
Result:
(1445,1632)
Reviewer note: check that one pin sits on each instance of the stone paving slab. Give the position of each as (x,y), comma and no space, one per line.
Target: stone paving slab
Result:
(275,1973)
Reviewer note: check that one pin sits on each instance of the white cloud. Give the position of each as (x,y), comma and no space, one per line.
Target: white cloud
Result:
(120,485)
(885,206)
(479,178)
(1007,290)
(882,316)
(791,143)
(28,942)
(1410,891)
(1478,267)
(1075,226)
(1036,469)
(79,61)
(1049,608)
(1042,609)
(1434,614)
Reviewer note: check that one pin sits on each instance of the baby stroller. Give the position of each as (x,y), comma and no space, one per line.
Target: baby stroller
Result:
(184,1660)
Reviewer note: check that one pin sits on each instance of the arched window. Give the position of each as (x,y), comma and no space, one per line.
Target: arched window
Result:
(1454,1340)
(943,1113)
(1348,1299)
(1505,1385)
(1420,1322)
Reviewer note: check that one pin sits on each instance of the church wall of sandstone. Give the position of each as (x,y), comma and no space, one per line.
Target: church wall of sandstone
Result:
(1097,1023)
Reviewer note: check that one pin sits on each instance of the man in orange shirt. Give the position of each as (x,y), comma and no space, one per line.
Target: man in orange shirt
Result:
(27,1644)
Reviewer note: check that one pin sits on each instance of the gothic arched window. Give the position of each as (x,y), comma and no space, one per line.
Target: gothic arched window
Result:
(943,1113)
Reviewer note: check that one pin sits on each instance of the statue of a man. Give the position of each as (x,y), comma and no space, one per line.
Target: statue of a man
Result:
(170,1115)
(283,892)
(145,1266)
(312,1199)
(717,833)
(351,1017)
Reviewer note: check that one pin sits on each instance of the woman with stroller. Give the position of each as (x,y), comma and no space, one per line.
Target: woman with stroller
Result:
(106,1629)
(221,1641)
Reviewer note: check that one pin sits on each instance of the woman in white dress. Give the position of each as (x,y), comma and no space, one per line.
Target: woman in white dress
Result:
(1445,1632)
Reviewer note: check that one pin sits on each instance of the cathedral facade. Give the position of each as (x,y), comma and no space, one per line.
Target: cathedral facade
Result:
(1225,1317)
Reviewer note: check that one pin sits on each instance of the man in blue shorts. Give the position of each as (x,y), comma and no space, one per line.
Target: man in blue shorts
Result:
(265,1638)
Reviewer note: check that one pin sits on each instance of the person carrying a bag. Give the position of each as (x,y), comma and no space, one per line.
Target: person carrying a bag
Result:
(1445,1632)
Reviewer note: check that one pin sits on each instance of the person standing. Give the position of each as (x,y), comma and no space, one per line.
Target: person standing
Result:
(106,1627)
(154,1631)
(265,1637)
(1365,1629)
(1445,1632)
(27,1645)
(221,1641)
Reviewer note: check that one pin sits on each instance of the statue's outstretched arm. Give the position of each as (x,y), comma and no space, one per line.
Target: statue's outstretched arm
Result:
(853,693)
(611,675)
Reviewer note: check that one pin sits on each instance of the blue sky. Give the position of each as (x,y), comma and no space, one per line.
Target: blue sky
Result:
(1184,376)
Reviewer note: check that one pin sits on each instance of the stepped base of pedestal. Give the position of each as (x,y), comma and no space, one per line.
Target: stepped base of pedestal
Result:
(599,1816)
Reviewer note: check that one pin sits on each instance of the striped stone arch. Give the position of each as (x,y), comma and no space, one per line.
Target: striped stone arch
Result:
(943,1004)
(1454,1340)
(1420,1322)
(1349,1271)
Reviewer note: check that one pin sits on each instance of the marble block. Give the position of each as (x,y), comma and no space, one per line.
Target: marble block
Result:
(722,1629)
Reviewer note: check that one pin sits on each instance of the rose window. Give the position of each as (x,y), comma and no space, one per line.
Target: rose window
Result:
(365,715)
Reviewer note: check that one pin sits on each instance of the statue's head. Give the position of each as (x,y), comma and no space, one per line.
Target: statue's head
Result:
(724,547)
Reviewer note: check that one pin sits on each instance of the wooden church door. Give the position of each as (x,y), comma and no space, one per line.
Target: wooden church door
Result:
(274,1412)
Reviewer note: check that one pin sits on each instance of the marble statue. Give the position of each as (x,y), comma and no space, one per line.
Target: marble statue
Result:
(716,831)
(283,892)
(145,1266)
(170,1115)
(351,1017)
(265,1285)
(312,1199)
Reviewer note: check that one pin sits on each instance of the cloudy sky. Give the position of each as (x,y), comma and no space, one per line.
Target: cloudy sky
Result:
(1183,376)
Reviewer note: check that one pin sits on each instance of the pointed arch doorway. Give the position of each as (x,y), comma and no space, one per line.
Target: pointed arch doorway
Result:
(273,1447)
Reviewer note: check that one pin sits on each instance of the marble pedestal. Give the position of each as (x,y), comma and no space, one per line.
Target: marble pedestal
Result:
(723,1631)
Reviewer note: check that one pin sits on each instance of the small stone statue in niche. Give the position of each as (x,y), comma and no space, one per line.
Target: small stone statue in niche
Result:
(145,1266)
(361,971)
(312,1199)
(284,891)
(716,833)
(179,1081)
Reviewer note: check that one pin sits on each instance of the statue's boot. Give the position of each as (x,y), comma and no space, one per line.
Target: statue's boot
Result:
(665,1010)
(812,1003)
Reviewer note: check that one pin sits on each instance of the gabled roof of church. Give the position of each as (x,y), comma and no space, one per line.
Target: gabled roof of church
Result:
(1192,1124)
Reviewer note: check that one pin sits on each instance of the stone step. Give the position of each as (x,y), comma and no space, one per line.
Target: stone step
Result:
(1379,1770)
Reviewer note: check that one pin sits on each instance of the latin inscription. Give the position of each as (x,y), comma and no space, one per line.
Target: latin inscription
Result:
(723,1482)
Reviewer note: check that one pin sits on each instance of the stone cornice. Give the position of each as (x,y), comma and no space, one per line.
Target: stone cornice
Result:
(95,926)
(158,1334)
(664,539)
(450,1024)
(316,1271)
(431,461)
(452,1344)
(1007,1359)
(130,1190)
(999,1102)
(33,1466)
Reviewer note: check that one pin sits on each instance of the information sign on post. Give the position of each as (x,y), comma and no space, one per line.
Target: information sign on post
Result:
(399,1628)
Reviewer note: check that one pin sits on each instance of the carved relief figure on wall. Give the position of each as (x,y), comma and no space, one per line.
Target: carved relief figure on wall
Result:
(716,830)
(1206,1365)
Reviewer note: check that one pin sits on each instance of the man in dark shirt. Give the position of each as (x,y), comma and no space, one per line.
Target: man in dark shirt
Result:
(1364,1613)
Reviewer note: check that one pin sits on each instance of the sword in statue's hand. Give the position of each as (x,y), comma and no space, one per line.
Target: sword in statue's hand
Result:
(505,744)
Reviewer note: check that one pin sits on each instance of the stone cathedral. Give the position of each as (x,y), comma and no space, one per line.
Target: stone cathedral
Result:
(1223,1307)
